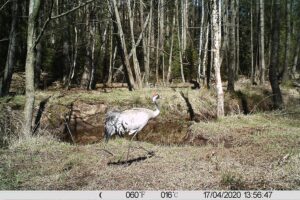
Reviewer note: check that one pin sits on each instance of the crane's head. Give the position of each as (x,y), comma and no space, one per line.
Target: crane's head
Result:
(155,97)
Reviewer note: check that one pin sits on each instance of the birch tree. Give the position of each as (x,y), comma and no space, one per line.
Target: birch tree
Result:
(201,39)
(184,24)
(180,47)
(216,45)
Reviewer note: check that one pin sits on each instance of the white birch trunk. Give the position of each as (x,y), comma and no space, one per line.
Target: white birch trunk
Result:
(216,60)
(200,40)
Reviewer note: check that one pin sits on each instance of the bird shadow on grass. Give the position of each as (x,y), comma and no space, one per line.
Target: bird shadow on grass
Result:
(133,160)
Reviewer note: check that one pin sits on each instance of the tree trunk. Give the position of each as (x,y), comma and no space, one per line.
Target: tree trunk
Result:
(123,48)
(144,43)
(225,38)
(137,44)
(211,54)
(66,43)
(200,40)
(171,48)
(296,58)
(277,98)
(232,46)
(38,65)
(136,64)
(74,59)
(93,47)
(180,47)
(147,62)
(237,54)
(285,72)
(160,40)
(184,24)
(11,55)
(204,60)
(66,58)
(34,6)
(270,35)
(86,76)
(112,53)
(216,36)
(251,45)
(262,43)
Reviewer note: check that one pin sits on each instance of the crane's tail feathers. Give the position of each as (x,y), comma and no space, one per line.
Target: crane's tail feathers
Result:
(109,131)
(111,121)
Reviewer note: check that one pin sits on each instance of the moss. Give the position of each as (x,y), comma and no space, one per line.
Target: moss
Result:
(16,102)
(232,181)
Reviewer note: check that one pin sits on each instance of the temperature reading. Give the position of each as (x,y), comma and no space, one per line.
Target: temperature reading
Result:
(168,195)
(135,194)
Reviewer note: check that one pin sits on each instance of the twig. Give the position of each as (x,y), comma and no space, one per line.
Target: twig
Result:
(67,125)
(149,152)
(167,54)
(44,26)
(4,40)
(107,152)
(8,1)
(289,113)
(254,108)
(58,16)
(134,47)
(73,9)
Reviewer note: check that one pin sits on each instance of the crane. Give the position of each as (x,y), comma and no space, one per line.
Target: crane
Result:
(129,121)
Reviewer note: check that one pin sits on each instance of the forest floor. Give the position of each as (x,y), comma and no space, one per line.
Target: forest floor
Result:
(180,150)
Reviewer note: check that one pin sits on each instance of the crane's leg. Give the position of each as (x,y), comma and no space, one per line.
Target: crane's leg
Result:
(129,147)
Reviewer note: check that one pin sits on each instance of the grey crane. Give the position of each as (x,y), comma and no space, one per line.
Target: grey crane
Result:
(129,121)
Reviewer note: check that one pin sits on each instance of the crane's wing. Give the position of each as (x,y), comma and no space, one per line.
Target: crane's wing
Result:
(134,120)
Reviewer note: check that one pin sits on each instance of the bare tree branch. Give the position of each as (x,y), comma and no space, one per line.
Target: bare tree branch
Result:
(58,16)
(4,39)
(44,26)
(136,44)
(8,1)
(73,9)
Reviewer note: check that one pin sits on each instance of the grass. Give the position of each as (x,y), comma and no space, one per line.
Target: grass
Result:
(232,181)
(263,154)
(257,151)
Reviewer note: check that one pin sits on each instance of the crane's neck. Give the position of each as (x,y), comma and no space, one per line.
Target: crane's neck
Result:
(157,111)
